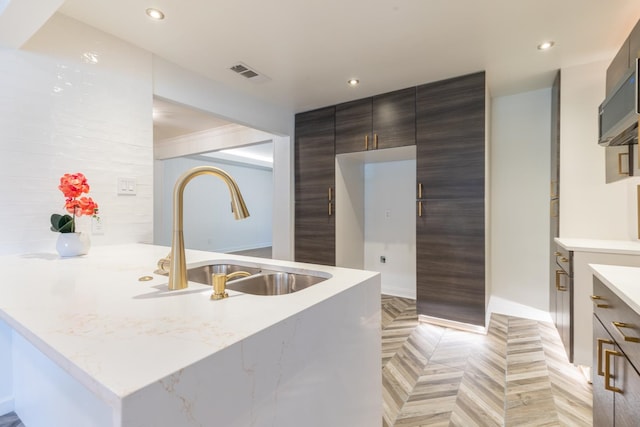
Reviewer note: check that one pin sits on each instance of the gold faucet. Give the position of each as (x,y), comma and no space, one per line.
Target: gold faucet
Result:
(177,263)
(219,282)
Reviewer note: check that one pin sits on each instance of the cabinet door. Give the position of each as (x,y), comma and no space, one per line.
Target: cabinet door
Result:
(450,137)
(394,119)
(602,398)
(564,310)
(554,191)
(618,67)
(450,247)
(353,126)
(314,176)
(627,402)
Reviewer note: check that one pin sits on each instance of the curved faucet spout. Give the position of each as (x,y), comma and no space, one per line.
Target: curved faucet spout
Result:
(178,265)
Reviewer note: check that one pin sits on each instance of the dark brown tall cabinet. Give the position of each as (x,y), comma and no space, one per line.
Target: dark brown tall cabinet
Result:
(450,225)
(561,263)
(315,186)
(383,121)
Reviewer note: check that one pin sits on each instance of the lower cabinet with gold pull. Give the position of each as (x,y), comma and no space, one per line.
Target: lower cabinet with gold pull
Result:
(561,297)
(616,381)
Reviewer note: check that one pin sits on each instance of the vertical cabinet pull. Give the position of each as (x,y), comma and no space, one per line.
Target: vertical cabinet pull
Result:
(601,341)
(620,169)
(419,208)
(607,370)
(558,286)
(554,189)
(330,201)
(419,190)
(375,141)
(366,142)
(330,208)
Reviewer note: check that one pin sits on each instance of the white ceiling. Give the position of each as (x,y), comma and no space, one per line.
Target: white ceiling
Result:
(310,48)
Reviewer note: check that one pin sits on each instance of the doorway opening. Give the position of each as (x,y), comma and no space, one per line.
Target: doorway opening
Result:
(185,138)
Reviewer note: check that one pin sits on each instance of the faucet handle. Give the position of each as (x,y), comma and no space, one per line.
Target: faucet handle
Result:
(163,264)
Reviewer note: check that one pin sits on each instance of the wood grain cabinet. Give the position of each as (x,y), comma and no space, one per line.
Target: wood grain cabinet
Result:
(450,232)
(624,59)
(554,196)
(562,297)
(314,187)
(383,121)
(616,357)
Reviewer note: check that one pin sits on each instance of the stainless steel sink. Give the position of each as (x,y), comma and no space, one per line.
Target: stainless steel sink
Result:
(262,281)
(278,283)
(203,274)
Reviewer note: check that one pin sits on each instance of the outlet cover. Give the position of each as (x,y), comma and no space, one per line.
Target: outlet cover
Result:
(97,225)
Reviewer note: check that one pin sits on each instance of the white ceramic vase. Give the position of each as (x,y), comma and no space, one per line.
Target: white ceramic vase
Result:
(73,244)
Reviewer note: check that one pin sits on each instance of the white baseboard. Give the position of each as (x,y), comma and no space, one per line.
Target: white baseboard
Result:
(6,405)
(503,306)
(399,292)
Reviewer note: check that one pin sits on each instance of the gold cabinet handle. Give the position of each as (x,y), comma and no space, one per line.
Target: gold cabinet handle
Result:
(419,190)
(553,190)
(601,341)
(627,338)
(607,370)
(620,171)
(375,141)
(595,298)
(330,208)
(558,274)
(330,194)
(366,142)
(563,259)
(420,208)
(557,253)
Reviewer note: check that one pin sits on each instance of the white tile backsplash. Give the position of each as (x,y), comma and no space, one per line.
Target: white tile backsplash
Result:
(59,114)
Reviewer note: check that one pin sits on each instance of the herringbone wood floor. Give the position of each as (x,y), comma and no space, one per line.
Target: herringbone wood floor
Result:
(515,375)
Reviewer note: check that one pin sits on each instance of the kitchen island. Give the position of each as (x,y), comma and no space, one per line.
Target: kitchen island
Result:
(84,342)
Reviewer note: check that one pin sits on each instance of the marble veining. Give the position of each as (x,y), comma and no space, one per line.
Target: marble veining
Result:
(145,355)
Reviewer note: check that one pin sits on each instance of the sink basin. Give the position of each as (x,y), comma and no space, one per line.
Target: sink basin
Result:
(278,283)
(269,280)
(203,274)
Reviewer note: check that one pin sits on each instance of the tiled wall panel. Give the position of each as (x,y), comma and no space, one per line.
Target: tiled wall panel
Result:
(59,114)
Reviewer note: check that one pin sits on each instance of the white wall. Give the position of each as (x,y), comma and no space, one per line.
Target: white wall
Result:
(349,211)
(208,222)
(520,171)
(58,115)
(589,208)
(390,225)
(375,215)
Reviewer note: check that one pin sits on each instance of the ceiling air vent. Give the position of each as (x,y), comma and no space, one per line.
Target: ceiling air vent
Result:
(249,73)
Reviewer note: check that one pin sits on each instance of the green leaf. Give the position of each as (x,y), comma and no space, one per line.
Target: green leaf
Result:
(62,223)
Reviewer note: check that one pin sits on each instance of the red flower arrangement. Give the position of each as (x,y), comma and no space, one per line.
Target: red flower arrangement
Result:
(73,185)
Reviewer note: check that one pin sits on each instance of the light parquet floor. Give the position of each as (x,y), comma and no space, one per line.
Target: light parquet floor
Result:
(515,375)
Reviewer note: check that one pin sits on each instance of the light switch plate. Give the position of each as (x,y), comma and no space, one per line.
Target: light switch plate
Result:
(127,186)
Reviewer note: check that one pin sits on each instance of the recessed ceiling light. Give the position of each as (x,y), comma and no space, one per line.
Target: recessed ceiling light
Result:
(155,14)
(546,45)
(353,82)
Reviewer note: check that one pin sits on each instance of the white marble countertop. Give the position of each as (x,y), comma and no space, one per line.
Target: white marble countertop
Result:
(630,247)
(623,281)
(115,334)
